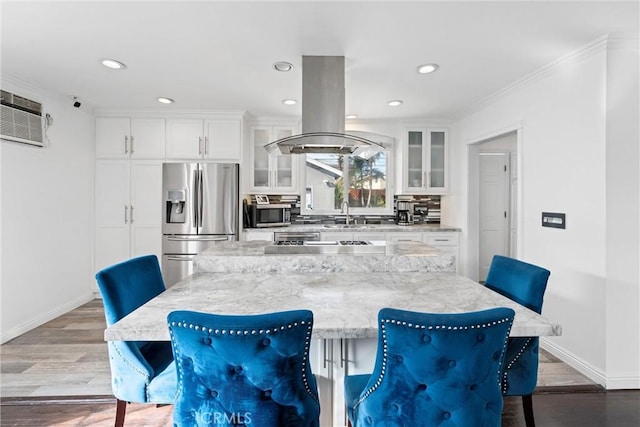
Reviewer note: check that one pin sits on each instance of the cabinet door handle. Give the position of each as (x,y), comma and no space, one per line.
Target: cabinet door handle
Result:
(131,145)
(206,145)
(200,145)
(424,179)
(343,353)
(126,212)
(126,140)
(131,215)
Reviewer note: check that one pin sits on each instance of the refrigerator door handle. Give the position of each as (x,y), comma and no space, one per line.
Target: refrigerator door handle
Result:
(196,239)
(194,198)
(200,199)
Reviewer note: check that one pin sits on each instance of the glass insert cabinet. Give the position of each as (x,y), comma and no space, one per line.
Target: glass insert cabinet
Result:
(272,171)
(425,160)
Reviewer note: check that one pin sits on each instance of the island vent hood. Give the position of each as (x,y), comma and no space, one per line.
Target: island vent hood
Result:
(323,114)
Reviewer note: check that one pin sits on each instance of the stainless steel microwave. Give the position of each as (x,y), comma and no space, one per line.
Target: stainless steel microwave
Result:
(270,215)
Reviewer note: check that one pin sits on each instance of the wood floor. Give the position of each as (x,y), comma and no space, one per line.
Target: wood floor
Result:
(58,374)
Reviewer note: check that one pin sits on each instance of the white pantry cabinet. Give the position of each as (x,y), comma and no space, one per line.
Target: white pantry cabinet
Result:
(130,138)
(211,139)
(127,207)
(425,161)
(272,172)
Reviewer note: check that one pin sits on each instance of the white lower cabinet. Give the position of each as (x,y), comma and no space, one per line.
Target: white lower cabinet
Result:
(446,242)
(400,236)
(128,217)
(331,361)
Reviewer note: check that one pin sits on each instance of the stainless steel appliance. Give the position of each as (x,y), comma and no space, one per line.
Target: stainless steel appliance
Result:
(300,236)
(269,215)
(324,247)
(199,208)
(404,213)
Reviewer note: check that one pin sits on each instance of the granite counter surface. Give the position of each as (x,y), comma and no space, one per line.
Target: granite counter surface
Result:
(250,257)
(344,305)
(360,228)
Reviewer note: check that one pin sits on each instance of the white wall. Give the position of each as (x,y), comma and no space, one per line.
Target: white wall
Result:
(47,199)
(563,146)
(623,212)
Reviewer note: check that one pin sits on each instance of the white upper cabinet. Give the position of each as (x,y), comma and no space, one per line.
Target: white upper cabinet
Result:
(425,161)
(213,139)
(134,138)
(272,171)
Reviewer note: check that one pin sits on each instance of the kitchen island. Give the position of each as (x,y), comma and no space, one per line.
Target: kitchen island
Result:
(344,300)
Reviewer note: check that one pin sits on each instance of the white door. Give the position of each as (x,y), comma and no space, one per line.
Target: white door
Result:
(494,209)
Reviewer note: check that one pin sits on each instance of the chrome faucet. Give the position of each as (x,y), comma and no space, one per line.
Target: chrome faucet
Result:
(345,203)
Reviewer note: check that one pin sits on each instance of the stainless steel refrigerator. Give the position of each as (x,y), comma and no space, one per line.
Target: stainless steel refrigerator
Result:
(199,208)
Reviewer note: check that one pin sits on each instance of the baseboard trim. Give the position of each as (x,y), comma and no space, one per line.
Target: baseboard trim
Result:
(45,317)
(575,362)
(56,400)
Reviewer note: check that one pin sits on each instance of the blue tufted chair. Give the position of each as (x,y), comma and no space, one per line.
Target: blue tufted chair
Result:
(525,284)
(141,372)
(433,370)
(250,369)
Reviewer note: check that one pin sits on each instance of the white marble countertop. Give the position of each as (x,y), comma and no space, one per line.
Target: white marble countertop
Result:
(360,228)
(345,305)
(250,257)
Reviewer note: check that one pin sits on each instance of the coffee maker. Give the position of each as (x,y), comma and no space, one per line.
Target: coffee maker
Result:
(404,212)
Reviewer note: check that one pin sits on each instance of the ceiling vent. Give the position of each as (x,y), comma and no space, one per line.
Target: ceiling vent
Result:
(21,120)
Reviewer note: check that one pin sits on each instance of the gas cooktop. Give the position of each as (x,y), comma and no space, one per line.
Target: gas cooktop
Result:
(324,247)
(322,242)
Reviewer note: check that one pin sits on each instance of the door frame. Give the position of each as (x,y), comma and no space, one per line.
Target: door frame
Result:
(473,193)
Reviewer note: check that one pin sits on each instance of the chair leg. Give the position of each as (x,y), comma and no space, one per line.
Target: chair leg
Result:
(121,408)
(527,405)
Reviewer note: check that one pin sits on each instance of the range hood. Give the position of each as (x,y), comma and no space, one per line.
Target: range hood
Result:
(323,114)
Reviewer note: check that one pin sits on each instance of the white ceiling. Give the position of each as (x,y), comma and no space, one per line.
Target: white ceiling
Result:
(213,55)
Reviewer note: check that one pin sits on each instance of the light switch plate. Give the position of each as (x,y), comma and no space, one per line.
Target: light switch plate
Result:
(554,220)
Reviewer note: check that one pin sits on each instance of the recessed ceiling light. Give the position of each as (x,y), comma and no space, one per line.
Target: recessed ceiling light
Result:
(394,103)
(113,64)
(164,100)
(289,101)
(427,68)
(351,116)
(283,66)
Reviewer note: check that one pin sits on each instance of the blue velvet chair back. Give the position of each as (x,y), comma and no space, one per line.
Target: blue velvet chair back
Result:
(434,370)
(525,284)
(140,371)
(251,369)
(128,285)
(519,281)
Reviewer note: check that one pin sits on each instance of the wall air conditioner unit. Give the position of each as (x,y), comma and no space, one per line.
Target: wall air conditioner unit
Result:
(21,120)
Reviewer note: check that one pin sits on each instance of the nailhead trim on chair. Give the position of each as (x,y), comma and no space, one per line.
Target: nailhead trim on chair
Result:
(506,370)
(428,327)
(146,377)
(305,359)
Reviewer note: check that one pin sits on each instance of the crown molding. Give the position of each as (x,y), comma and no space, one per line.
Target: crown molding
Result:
(596,46)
